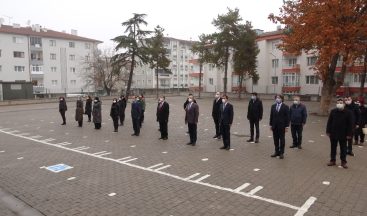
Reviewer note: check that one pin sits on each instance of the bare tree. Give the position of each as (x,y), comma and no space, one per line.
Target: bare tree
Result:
(102,73)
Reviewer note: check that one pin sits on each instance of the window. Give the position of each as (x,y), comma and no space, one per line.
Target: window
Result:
(291,79)
(72,69)
(54,82)
(312,79)
(181,67)
(87,45)
(36,41)
(274,80)
(73,82)
(87,58)
(36,68)
(186,68)
(18,40)
(72,57)
(311,60)
(275,63)
(36,55)
(211,81)
(52,43)
(292,62)
(72,44)
(19,68)
(18,54)
(53,69)
(274,45)
(52,56)
(357,78)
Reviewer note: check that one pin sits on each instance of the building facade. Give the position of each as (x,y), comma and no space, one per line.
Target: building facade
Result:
(53,61)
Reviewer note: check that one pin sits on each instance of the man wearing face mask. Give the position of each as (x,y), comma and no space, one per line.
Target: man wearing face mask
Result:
(254,115)
(349,105)
(226,122)
(191,119)
(298,116)
(114,113)
(339,129)
(216,114)
(162,117)
(62,109)
(363,120)
(135,115)
(97,113)
(279,123)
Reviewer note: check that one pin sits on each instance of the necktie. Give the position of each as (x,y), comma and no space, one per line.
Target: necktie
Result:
(278,107)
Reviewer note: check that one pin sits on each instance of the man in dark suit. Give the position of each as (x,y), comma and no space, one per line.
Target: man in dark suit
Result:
(62,109)
(339,128)
(185,105)
(191,118)
(122,106)
(162,117)
(135,116)
(279,123)
(216,111)
(254,115)
(226,122)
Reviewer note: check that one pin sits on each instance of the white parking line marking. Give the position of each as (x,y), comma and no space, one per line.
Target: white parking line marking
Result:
(97,153)
(163,167)
(125,161)
(24,134)
(256,169)
(14,131)
(205,159)
(48,140)
(326,183)
(20,158)
(107,153)
(164,152)
(36,137)
(151,167)
(192,176)
(123,158)
(112,194)
(201,178)
(64,143)
(256,189)
(71,178)
(300,210)
(80,148)
(242,187)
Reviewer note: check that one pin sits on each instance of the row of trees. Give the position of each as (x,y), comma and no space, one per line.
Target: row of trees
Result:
(234,42)
(333,31)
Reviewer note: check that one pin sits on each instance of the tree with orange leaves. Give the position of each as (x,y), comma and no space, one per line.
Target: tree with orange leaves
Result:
(333,30)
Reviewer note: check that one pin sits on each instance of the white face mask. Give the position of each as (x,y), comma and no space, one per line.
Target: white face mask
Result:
(278,100)
(95,101)
(217,96)
(340,106)
(61,99)
(295,102)
(190,100)
(253,97)
(114,101)
(160,99)
(224,101)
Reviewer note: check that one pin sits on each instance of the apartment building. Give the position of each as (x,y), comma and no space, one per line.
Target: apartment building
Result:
(53,61)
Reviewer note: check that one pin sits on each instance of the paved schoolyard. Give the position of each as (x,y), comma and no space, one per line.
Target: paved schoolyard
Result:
(117,174)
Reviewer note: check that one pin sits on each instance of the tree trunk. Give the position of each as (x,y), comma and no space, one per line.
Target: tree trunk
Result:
(363,78)
(240,86)
(201,68)
(329,87)
(157,87)
(130,75)
(225,71)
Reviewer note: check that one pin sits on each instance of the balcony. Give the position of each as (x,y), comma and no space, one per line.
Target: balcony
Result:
(37,72)
(291,68)
(352,69)
(291,89)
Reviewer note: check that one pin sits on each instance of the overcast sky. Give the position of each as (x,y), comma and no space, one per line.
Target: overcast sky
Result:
(101,20)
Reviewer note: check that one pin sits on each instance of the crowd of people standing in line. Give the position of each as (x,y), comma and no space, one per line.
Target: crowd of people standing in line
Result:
(345,122)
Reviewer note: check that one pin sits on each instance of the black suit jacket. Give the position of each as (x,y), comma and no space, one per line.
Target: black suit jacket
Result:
(163,112)
(227,114)
(217,103)
(136,110)
(279,119)
(255,110)
(340,124)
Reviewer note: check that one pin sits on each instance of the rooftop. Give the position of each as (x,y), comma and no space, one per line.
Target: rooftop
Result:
(37,30)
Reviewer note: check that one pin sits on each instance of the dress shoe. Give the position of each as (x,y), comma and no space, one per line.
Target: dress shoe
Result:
(193,144)
(115,131)
(274,155)
(63,123)
(299,147)
(250,140)
(214,137)
(133,134)
(189,143)
(160,138)
(292,146)
(222,147)
(256,141)
(331,163)
(165,138)
(350,154)
(281,156)
(218,137)
(344,165)
(228,148)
